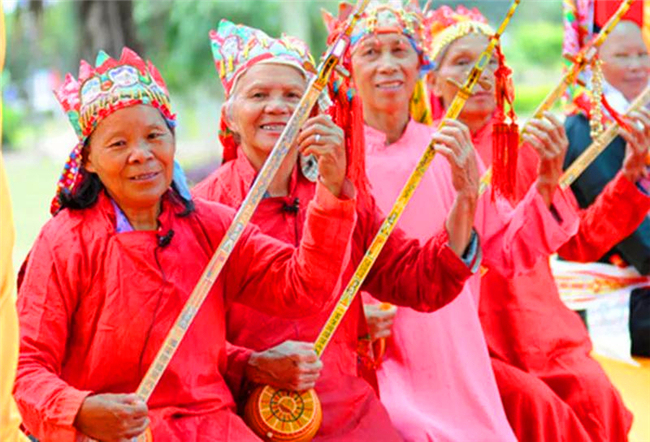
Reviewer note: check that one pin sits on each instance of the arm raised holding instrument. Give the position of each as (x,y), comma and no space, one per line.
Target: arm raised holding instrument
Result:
(424,277)
(454,142)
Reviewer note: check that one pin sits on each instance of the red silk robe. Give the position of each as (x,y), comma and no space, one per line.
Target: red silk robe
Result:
(96,305)
(551,388)
(424,277)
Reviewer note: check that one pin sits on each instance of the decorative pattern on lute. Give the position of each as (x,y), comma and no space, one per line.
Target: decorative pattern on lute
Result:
(600,144)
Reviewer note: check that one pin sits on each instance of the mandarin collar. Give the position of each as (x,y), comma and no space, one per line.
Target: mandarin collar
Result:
(245,173)
(376,139)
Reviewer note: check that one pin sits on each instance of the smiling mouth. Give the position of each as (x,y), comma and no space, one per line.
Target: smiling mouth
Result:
(390,85)
(144,176)
(274,127)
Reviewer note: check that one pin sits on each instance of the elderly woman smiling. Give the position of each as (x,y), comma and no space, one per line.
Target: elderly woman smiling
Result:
(112,269)
(263,83)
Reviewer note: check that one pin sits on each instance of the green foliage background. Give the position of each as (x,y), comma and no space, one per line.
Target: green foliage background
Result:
(174,34)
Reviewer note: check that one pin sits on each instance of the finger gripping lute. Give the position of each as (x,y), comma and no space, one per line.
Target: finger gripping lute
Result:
(599,145)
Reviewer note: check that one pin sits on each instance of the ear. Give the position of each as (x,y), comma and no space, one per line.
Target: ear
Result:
(86,160)
(433,83)
(228,113)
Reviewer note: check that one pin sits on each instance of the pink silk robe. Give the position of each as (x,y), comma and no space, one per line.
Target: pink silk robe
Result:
(423,277)
(436,380)
(551,388)
(96,305)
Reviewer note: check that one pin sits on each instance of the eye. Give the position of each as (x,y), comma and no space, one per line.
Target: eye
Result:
(155,135)
(294,95)
(258,95)
(117,144)
(368,52)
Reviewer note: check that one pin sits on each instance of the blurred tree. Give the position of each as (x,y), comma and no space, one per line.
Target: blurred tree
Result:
(106,25)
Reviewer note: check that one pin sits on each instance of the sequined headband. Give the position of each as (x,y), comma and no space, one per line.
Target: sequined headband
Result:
(97,93)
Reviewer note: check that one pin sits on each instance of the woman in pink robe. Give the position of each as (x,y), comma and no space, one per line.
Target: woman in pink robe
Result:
(551,388)
(436,379)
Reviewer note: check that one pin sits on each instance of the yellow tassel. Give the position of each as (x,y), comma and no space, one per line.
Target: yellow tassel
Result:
(419,106)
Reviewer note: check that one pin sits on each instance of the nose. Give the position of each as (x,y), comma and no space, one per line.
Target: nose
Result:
(141,152)
(278,106)
(638,63)
(387,64)
(486,81)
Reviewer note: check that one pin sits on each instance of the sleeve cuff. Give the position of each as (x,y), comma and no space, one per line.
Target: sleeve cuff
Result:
(68,406)
(644,186)
(343,206)
(236,374)
(563,212)
(472,256)
(455,264)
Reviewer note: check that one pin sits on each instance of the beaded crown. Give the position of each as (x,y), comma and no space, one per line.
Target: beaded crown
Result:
(97,93)
(235,48)
(111,85)
(382,16)
(444,26)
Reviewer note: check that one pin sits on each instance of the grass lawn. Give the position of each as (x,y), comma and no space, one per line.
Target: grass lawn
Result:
(31,182)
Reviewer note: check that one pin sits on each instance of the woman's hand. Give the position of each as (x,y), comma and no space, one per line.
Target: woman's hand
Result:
(638,143)
(547,136)
(112,417)
(454,142)
(291,365)
(380,319)
(326,141)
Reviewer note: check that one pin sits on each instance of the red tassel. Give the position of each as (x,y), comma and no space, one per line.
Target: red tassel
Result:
(505,137)
(227,139)
(347,113)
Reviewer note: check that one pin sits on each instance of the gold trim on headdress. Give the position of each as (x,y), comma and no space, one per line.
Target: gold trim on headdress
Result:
(452,33)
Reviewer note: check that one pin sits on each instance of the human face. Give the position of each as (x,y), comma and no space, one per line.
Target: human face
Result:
(132,152)
(261,104)
(625,60)
(456,63)
(385,69)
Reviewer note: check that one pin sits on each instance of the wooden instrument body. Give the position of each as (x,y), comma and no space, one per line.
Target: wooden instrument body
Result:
(283,415)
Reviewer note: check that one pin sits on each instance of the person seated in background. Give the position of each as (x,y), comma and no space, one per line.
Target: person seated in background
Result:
(550,386)
(626,71)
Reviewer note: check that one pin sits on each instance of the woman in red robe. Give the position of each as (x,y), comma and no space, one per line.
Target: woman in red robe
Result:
(110,272)
(424,277)
(551,388)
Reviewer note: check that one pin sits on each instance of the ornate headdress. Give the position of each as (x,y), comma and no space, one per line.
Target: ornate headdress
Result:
(97,93)
(445,26)
(235,48)
(388,16)
(582,19)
